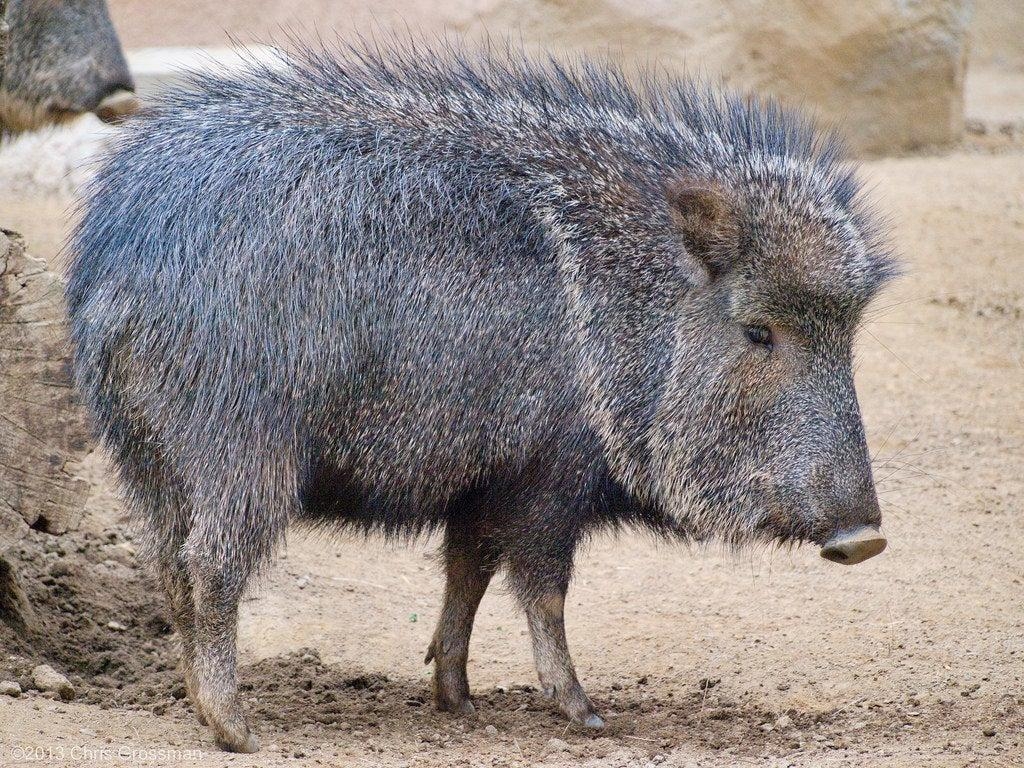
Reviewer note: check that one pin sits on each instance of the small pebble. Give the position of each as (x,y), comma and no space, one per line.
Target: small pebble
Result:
(117,626)
(990,731)
(490,730)
(10,688)
(46,678)
(557,745)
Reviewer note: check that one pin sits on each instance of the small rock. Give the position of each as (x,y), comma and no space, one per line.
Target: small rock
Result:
(783,721)
(490,730)
(990,731)
(10,688)
(117,626)
(46,678)
(302,582)
(557,745)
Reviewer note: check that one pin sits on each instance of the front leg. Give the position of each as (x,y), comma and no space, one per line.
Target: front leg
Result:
(558,680)
(539,569)
(468,569)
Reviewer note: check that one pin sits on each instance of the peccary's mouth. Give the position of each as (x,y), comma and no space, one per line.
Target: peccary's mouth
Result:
(114,108)
(117,106)
(854,545)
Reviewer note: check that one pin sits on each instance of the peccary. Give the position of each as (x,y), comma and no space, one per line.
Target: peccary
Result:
(63,59)
(515,301)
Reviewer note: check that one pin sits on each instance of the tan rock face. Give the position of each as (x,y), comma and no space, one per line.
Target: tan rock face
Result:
(890,72)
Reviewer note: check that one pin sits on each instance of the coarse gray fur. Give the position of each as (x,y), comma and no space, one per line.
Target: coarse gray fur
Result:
(63,59)
(418,288)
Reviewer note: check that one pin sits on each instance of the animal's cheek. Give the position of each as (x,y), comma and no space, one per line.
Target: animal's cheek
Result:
(760,379)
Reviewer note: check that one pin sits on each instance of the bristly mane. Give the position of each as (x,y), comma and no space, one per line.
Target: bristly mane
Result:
(679,121)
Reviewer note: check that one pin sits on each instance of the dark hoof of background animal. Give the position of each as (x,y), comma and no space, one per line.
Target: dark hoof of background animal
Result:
(247,746)
(854,546)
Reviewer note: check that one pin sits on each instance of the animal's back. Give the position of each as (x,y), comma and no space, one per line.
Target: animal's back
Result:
(253,271)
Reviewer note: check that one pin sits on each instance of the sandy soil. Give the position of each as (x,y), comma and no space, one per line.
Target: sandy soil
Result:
(694,656)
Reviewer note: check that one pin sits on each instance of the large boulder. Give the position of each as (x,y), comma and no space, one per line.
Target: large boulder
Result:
(890,73)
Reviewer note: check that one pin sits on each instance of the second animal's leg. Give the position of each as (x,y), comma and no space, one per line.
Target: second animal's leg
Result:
(469,566)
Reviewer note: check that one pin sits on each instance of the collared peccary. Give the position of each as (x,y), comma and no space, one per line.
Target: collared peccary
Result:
(515,301)
(63,59)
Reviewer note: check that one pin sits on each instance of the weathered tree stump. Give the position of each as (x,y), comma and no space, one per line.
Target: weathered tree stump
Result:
(43,430)
(4,32)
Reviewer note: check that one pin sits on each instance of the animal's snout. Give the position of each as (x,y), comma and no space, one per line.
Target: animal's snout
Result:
(117,105)
(854,545)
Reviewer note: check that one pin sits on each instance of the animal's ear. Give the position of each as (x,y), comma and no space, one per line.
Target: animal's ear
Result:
(705,217)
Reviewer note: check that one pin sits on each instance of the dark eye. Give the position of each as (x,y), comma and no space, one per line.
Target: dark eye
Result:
(758,334)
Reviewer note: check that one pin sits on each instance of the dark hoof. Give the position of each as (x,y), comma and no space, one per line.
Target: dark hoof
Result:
(245,745)
(463,707)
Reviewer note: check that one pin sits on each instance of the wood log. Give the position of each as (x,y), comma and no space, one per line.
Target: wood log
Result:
(43,430)
(4,32)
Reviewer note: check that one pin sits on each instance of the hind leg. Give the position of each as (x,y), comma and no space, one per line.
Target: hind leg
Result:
(469,566)
(213,667)
(177,585)
(165,524)
(223,550)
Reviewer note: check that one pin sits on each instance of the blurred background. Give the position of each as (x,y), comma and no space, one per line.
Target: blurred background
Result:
(896,75)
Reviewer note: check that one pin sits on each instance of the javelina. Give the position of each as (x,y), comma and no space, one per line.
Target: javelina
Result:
(514,301)
(63,59)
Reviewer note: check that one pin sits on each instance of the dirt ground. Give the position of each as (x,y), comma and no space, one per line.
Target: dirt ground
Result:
(695,657)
